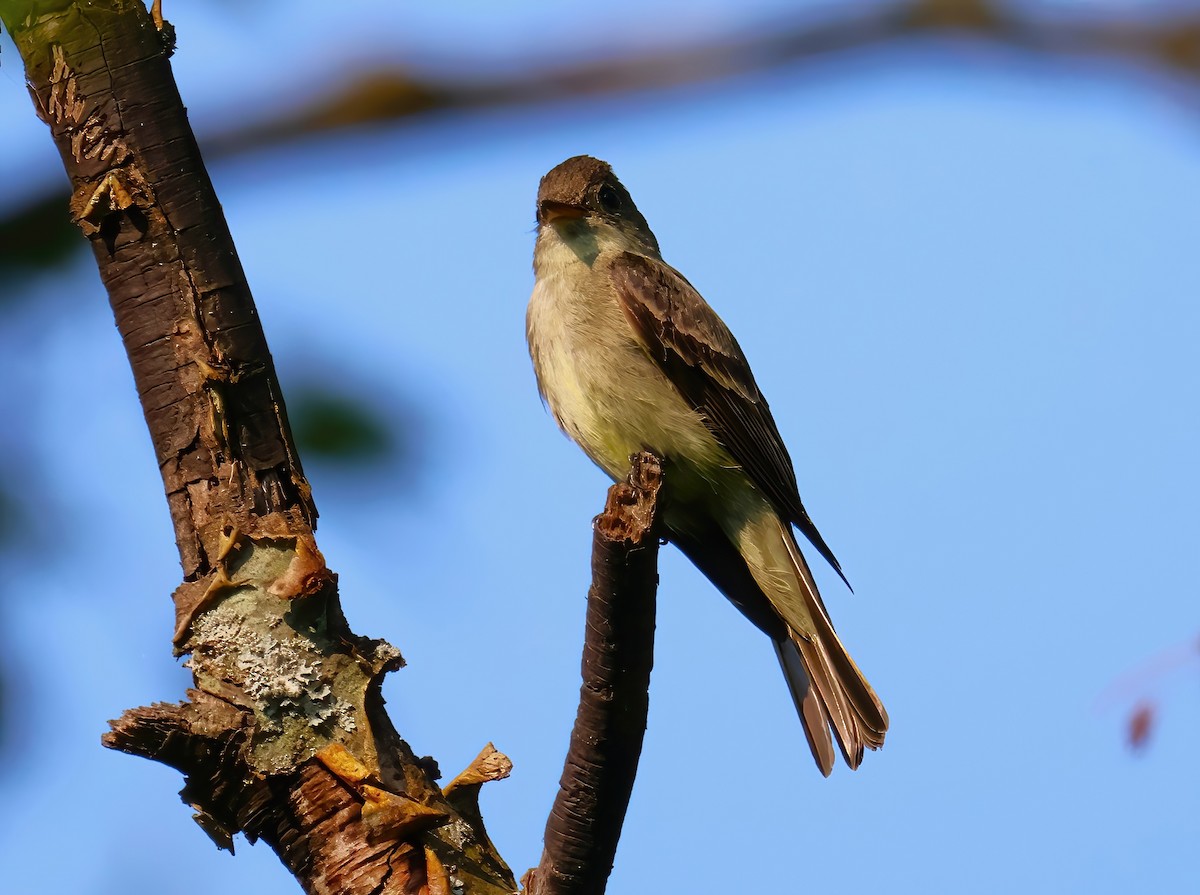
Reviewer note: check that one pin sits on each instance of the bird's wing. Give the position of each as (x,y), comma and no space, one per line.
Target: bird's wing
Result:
(702,359)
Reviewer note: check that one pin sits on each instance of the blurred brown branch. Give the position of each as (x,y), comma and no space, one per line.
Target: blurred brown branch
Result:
(386,96)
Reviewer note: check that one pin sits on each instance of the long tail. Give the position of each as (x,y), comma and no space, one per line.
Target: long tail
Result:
(829,690)
(760,569)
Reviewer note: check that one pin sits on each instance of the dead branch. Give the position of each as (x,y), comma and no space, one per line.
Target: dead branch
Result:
(284,736)
(618,653)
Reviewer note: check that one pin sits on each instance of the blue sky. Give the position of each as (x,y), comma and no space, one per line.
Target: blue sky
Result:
(967,283)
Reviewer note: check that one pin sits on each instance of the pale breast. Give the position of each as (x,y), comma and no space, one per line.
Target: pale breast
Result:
(600,384)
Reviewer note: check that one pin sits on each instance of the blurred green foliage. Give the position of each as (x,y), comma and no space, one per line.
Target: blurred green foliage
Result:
(338,427)
(35,236)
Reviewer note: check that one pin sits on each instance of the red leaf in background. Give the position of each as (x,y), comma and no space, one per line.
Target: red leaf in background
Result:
(1140,723)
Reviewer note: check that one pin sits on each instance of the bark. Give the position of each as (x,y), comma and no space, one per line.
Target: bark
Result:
(618,653)
(284,736)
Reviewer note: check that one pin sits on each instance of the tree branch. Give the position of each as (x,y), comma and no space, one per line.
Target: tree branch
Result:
(30,236)
(1167,44)
(284,736)
(618,653)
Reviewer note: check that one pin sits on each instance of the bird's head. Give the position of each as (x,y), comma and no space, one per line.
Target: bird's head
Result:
(581,198)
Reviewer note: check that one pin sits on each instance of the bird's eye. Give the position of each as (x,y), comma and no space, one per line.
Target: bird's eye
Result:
(610,199)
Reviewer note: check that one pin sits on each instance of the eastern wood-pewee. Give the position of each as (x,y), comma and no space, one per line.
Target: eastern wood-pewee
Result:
(628,356)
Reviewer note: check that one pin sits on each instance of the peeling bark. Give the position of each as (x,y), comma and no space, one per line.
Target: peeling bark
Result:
(283,737)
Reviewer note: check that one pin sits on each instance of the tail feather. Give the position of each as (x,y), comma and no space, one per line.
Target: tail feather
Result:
(813,717)
(856,715)
(761,569)
(832,694)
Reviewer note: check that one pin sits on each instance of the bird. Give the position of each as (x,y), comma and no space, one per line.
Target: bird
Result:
(629,357)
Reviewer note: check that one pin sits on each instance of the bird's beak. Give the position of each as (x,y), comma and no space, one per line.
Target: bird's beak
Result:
(550,211)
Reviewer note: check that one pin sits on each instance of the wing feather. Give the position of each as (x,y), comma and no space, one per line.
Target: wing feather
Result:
(702,359)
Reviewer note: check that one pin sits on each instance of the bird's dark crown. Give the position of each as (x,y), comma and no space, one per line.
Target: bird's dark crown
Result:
(590,186)
(570,182)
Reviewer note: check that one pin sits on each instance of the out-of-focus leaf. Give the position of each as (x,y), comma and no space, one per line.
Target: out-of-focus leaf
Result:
(354,433)
(1141,722)
(8,518)
(36,236)
(6,718)
(1134,688)
(337,427)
